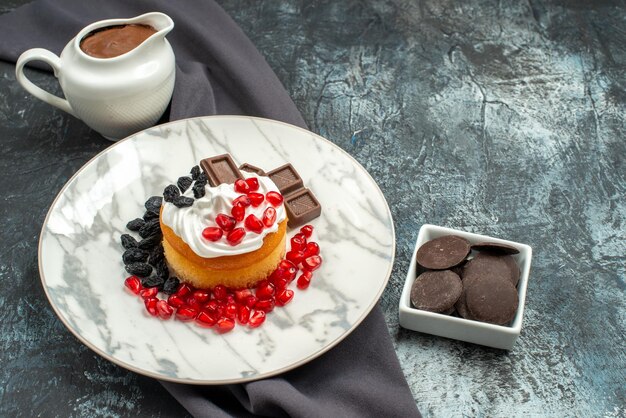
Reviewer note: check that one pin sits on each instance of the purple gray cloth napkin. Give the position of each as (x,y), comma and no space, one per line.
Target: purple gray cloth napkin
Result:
(219,71)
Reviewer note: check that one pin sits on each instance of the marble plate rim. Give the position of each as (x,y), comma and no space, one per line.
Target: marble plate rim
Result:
(260,376)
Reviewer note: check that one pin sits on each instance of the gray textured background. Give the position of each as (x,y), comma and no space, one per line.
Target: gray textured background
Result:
(504,118)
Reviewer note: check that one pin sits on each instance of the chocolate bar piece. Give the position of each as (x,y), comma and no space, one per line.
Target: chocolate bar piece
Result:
(286,179)
(252,169)
(220,169)
(301,206)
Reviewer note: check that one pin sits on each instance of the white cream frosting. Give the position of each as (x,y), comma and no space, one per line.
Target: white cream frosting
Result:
(188,223)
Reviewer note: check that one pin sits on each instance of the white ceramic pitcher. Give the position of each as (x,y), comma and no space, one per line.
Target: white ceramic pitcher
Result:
(115,96)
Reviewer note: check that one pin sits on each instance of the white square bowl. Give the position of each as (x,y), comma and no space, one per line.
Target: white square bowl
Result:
(497,336)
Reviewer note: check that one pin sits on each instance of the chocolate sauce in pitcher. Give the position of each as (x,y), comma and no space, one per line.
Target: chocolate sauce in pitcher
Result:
(113,41)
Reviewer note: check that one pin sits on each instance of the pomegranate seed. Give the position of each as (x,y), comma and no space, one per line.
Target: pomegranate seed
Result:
(286,271)
(235,236)
(256,198)
(301,236)
(275,274)
(307,230)
(284,297)
(211,306)
(230,311)
(227,223)
(201,296)
(312,263)
(304,280)
(192,302)
(242,294)
(253,184)
(220,292)
(241,186)
(212,233)
(256,319)
(230,298)
(281,283)
(275,198)
(266,305)
(225,325)
(295,257)
(286,264)
(183,290)
(264,290)
(243,314)
(175,301)
(254,224)
(239,212)
(312,248)
(205,319)
(151,305)
(186,313)
(297,243)
(269,217)
(242,200)
(133,283)
(251,301)
(164,310)
(148,292)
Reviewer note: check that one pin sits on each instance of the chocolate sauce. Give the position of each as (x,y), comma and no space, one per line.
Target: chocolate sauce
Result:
(112,41)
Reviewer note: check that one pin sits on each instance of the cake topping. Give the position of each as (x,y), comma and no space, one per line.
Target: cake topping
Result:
(227,209)
(220,169)
(252,169)
(286,178)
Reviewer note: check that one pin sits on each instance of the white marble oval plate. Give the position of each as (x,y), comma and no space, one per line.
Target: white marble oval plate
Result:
(82,272)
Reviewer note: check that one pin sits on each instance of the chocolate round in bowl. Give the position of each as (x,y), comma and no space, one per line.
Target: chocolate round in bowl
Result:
(461,305)
(436,291)
(492,300)
(443,252)
(487,265)
(495,248)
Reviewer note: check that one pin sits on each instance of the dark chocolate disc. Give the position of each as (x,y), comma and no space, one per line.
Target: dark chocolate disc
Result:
(495,248)
(492,300)
(487,265)
(460,305)
(436,291)
(443,252)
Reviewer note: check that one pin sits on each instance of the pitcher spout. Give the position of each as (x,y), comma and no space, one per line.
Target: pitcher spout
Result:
(159,21)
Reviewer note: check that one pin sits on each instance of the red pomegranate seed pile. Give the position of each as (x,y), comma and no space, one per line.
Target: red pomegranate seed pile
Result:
(226,224)
(222,308)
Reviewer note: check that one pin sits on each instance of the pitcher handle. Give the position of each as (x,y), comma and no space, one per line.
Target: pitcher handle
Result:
(40,54)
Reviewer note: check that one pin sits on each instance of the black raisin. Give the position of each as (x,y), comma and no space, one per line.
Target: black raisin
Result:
(162,270)
(154,204)
(134,255)
(150,242)
(153,281)
(184,183)
(150,228)
(170,193)
(150,215)
(135,224)
(139,269)
(195,172)
(203,178)
(183,201)
(128,241)
(156,255)
(198,190)
(171,285)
